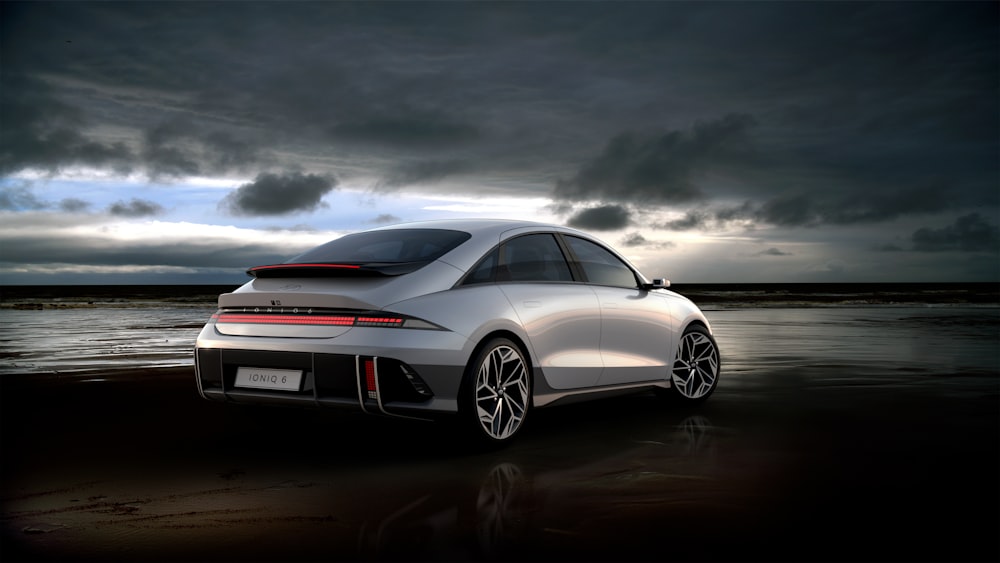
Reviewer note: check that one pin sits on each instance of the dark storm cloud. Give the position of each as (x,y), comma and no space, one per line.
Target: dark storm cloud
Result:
(278,194)
(624,102)
(135,208)
(39,131)
(407,131)
(604,218)
(181,147)
(663,168)
(969,233)
(797,115)
(421,172)
(850,206)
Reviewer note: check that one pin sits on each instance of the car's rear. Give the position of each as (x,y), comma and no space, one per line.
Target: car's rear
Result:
(320,329)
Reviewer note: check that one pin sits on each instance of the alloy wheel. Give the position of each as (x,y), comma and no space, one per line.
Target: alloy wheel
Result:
(501,392)
(696,367)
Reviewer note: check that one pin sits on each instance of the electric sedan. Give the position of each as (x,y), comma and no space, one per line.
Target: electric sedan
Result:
(483,319)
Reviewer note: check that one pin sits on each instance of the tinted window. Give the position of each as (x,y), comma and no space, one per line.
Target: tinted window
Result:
(600,265)
(393,246)
(483,271)
(535,258)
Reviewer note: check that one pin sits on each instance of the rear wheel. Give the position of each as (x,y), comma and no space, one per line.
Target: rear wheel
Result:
(497,392)
(695,372)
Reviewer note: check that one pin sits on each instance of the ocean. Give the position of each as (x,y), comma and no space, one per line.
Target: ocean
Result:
(92,330)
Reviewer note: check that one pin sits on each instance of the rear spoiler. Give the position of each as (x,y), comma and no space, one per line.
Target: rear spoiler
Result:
(327,270)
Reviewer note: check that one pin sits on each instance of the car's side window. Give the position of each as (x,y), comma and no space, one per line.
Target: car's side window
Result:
(484,271)
(600,265)
(534,258)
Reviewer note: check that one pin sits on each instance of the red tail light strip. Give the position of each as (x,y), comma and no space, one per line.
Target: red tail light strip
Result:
(284,319)
(290,266)
(321,320)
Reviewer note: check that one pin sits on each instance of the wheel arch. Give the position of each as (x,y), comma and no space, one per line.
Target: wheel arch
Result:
(487,338)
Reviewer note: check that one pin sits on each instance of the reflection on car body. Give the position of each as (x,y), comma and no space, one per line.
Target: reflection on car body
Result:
(485,319)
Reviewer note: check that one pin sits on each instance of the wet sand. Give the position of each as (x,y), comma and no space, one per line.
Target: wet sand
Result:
(796,458)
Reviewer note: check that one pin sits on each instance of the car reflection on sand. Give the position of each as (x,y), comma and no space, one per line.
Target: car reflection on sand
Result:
(518,505)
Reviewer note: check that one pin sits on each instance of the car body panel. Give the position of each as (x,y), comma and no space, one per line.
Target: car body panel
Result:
(563,324)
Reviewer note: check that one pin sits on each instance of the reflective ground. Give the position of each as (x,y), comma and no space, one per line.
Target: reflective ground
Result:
(866,434)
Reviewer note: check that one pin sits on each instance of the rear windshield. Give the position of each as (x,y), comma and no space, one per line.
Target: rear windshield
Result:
(389,246)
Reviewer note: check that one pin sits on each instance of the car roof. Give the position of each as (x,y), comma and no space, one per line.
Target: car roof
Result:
(487,233)
(480,227)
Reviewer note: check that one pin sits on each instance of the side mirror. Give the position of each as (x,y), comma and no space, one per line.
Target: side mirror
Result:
(657,283)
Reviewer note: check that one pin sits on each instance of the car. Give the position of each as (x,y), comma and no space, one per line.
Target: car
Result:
(478,321)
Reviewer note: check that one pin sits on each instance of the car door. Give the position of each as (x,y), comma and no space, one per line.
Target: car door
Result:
(636,338)
(561,317)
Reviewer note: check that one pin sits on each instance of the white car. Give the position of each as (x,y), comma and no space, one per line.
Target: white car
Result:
(485,319)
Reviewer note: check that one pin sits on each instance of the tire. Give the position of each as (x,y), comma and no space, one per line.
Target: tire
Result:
(496,393)
(695,372)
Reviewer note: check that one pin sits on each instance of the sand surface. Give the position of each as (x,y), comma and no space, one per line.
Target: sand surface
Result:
(807,452)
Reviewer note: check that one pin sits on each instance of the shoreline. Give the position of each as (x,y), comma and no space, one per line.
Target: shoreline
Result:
(724,295)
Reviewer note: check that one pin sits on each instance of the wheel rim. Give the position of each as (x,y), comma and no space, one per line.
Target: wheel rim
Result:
(501,392)
(696,366)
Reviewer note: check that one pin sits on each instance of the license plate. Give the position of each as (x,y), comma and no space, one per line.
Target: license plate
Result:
(267,378)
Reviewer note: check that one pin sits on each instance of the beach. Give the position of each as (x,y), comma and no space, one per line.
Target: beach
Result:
(849,433)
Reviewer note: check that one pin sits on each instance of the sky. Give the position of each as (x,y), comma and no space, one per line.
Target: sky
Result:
(709,142)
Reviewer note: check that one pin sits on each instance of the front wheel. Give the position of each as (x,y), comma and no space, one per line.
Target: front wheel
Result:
(497,392)
(695,372)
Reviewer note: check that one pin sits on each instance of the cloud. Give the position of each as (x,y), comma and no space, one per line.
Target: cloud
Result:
(604,218)
(41,238)
(693,219)
(181,147)
(773,252)
(420,172)
(40,131)
(969,233)
(22,198)
(408,131)
(386,219)
(812,120)
(278,194)
(634,240)
(18,198)
(663,168)
(135,208)
(73,205)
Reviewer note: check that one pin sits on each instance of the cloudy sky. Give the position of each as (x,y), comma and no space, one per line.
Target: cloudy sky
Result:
(183,142)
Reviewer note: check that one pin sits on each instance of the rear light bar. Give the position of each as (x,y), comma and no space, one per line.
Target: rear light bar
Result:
(322,319)
(320,266)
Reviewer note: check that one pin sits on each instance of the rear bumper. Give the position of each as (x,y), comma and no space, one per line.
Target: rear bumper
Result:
(394,381)
(329,381)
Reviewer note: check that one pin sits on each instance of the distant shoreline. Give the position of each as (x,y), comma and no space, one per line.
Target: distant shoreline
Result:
(727,294)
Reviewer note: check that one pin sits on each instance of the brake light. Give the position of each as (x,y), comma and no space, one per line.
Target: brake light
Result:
(311,319)
(378,321)
(323,320)
(298,266)
(370,384)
